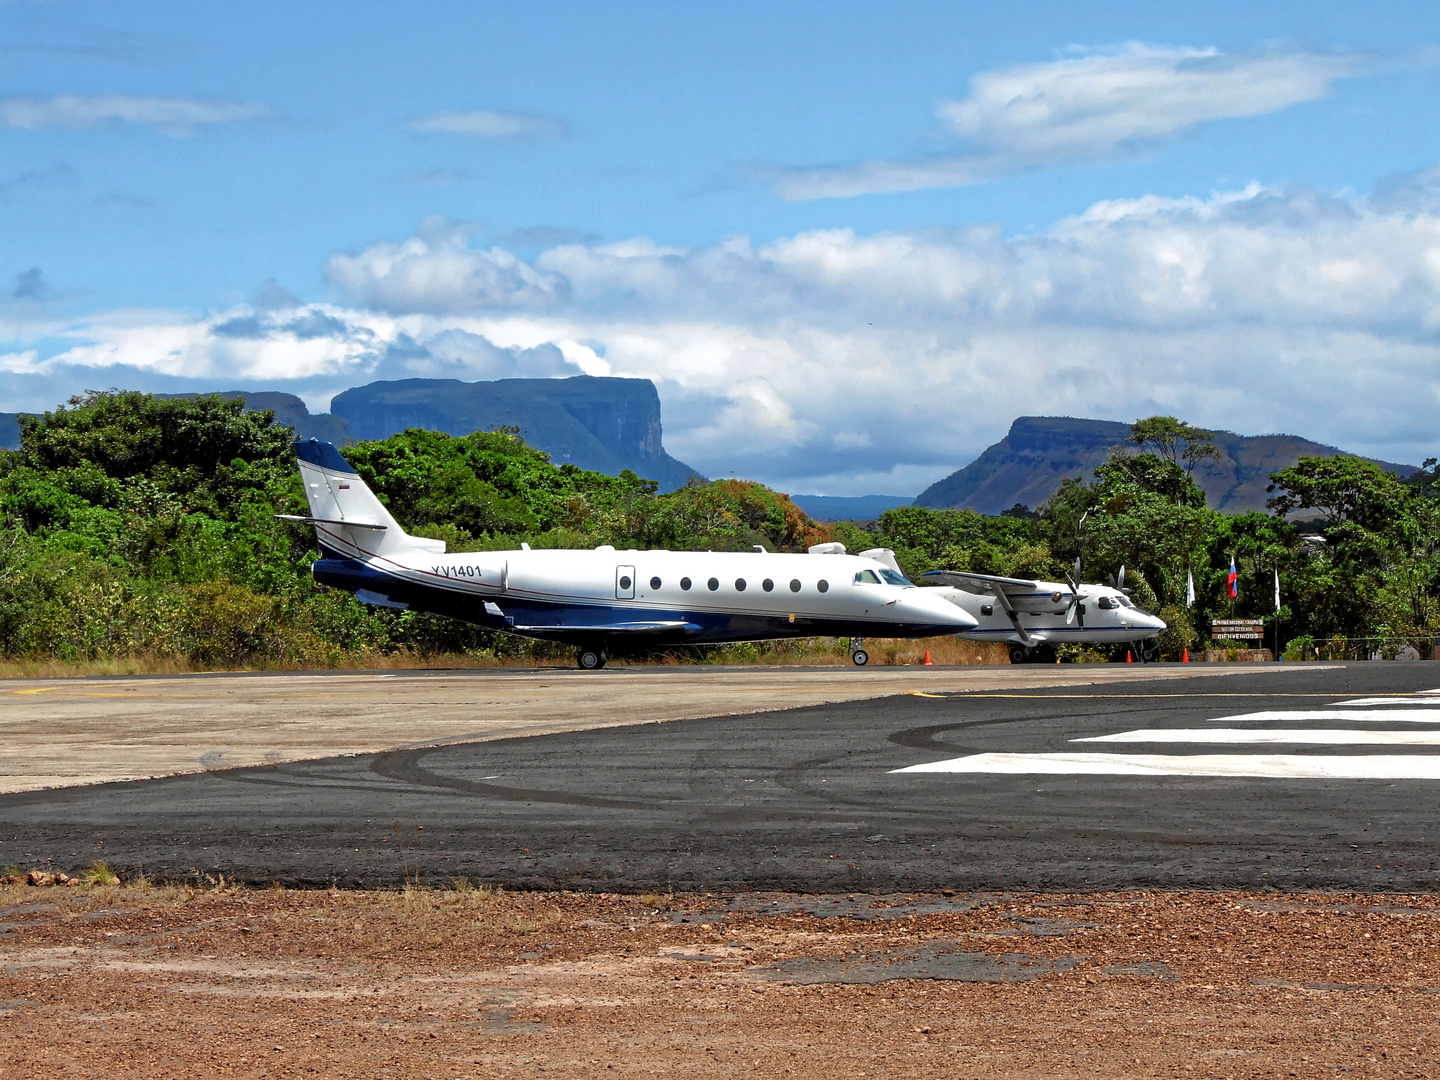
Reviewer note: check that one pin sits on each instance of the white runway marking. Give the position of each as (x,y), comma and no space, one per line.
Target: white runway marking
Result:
(1277,766)
(1430,701)
(1315,736)
(1403,716)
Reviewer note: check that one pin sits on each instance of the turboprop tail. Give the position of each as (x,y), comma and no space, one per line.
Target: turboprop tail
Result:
(350,522)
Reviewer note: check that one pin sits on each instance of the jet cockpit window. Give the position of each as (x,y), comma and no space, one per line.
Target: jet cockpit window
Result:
(867,577)
(890,577)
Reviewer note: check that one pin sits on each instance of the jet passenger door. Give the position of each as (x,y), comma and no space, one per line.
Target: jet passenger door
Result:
(625,583)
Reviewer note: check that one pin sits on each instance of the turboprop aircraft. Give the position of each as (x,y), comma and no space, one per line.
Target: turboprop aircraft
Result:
(600,599)
(1035,616)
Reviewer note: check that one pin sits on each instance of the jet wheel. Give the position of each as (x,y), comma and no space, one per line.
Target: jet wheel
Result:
(591,659)
(860,657)
(1019,655)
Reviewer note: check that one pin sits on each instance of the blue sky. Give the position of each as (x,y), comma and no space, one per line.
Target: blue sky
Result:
(849,242)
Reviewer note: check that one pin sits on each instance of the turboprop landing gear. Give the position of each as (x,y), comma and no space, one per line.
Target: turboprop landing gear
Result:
(1035,654)
(858,656)
(591,659)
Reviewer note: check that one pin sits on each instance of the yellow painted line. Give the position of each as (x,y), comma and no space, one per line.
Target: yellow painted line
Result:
(922,693)
(38,690)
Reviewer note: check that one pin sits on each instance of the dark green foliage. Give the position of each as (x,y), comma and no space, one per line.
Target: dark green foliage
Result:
(1343,489)
(1175,442)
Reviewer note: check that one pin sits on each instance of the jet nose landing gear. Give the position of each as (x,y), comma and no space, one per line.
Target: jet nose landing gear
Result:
(591,659)
(858,656)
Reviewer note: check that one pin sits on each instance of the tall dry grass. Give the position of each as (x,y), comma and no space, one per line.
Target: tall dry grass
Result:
(809,652)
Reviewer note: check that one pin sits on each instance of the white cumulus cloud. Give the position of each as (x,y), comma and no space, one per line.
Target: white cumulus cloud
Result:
(438,272)
(489,124)
(1094,106)
(170,115)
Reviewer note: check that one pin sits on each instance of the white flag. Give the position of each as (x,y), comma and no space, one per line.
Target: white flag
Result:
(1277,588)
(1189,589)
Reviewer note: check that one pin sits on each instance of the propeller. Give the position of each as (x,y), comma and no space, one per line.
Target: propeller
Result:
(1074,609)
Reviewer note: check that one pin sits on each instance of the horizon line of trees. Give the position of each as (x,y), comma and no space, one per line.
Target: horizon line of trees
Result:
(135,526)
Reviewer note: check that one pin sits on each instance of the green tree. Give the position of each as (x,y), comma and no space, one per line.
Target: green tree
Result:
(1175,441)
(1342,489)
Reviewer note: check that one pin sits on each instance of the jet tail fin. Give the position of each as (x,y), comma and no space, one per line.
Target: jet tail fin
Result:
(347,516)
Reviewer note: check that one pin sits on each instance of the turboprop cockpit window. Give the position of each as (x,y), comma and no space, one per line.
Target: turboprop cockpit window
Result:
(867,577)
(1125,601)
(890,577)
(1105,603)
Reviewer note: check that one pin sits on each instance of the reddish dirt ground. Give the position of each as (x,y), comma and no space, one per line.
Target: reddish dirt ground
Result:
(140,981)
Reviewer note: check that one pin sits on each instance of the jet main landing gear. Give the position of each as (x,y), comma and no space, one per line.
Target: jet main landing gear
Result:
(591,658)
(858,656)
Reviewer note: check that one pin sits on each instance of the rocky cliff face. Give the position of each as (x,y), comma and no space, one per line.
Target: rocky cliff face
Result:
(1039,452)
(595,423)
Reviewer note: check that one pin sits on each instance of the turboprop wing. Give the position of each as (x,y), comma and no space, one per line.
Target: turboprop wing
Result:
(1015,595)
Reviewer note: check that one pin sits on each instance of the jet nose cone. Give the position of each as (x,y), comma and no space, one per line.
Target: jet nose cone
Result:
(937,611)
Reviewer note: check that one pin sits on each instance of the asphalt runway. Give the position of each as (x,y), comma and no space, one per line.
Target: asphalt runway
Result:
(1303,778)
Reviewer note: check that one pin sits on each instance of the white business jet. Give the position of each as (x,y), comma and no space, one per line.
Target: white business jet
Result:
(600,599)
(1035,616)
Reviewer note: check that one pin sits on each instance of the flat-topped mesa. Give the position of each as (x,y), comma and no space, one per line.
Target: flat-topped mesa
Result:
(602,424)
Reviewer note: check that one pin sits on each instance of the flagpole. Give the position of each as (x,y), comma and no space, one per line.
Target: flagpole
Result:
(1277,611)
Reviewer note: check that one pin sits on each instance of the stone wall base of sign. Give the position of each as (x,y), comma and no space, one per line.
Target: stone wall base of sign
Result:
(1237,656)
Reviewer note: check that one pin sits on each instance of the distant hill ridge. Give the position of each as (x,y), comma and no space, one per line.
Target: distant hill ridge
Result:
(1028,465)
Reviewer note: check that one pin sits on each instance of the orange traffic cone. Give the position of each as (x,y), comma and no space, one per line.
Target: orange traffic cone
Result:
(1185,656)
(1129,659)
(927,659)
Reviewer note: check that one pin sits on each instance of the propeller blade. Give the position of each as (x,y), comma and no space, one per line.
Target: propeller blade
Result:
(1077,567)
(1121,585)
(1070,615)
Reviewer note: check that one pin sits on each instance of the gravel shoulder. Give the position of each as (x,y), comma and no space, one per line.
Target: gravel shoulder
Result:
(142,981)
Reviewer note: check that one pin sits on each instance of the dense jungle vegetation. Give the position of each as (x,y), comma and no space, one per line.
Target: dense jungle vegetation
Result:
(144,528)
